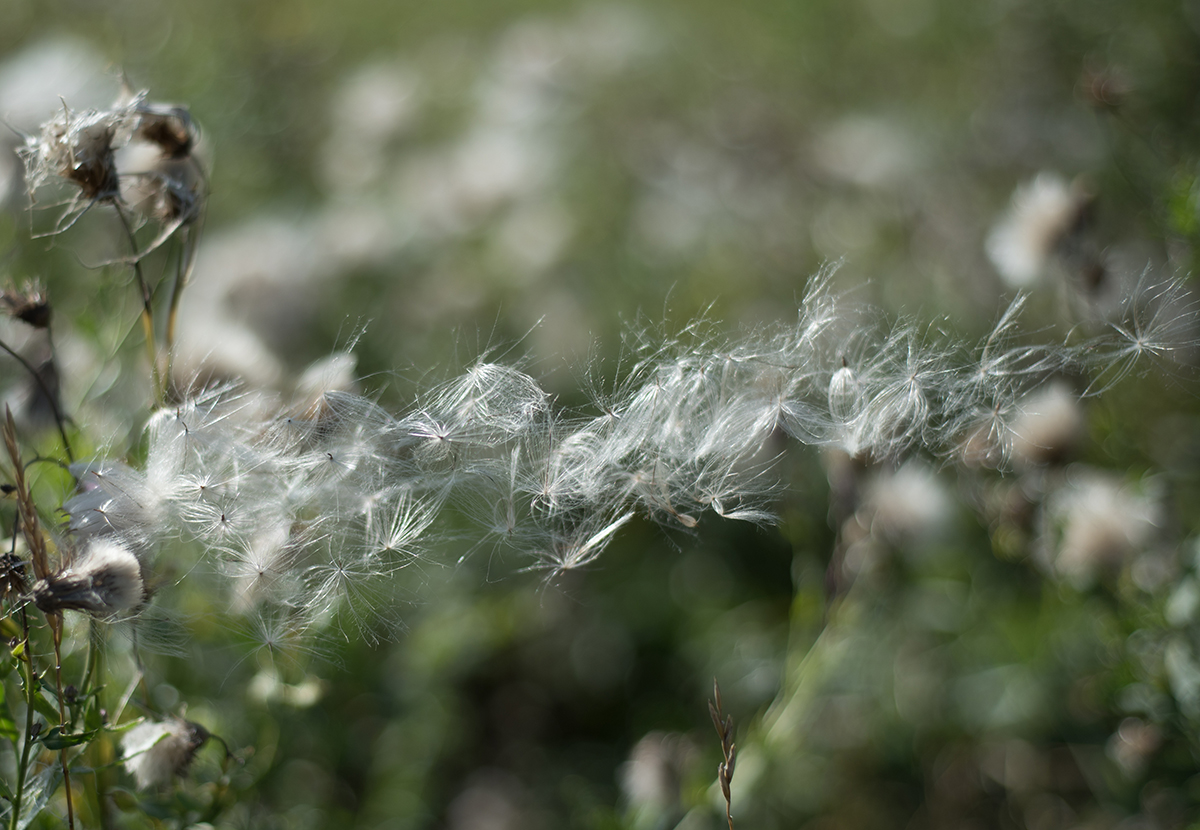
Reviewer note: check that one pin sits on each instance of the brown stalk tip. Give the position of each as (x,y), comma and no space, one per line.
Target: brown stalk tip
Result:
(26,508)
(724,725)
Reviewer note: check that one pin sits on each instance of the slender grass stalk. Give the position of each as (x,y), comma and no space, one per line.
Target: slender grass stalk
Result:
(183,273)
(147,310)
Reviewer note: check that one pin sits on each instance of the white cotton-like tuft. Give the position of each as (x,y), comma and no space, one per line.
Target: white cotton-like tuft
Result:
(105,580)
(157,751)
(1102,524)
(115,500)
(1048,425)
(1043,212)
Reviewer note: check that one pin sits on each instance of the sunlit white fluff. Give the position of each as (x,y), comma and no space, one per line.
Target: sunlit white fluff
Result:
(302,511)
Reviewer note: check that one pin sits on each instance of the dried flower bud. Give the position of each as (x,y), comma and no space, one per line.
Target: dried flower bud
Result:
(104,581)
(155,752)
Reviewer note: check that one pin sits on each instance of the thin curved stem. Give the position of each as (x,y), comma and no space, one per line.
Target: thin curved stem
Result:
(50,396)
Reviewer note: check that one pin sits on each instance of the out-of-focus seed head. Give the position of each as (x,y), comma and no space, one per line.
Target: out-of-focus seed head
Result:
(29,304)
(1042,215)
(78,147)
(168,190)
(170,128)
(12,577)
(1049,424)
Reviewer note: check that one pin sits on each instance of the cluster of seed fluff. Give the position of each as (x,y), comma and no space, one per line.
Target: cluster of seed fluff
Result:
(303,517)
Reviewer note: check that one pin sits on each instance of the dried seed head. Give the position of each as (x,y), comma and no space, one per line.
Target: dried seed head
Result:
(12,576)
(29,304)
(155,752)
(104,581)
(1043,213)
(169,128)
(78,147)
(169,190)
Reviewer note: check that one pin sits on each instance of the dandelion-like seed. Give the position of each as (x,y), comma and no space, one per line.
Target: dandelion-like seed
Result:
(1159,327)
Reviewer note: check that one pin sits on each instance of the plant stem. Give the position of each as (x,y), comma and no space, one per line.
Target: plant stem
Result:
(56,626)
(29,692)
(183,273)
(101,747)
(50,396)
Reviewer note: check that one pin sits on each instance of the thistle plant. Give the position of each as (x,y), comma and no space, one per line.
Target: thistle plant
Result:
(295,517)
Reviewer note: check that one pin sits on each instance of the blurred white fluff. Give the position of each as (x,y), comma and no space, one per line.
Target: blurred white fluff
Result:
(866,150)
(1042,213)
(103,580)
(1048,425)
(1102,524)
(157,751)
(652,777)
(908,504)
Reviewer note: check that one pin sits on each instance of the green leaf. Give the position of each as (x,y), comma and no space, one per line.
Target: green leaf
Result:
(57,739)
(8,727)
(45,708)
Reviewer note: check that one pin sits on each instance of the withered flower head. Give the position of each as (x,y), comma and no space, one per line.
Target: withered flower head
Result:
(171,190)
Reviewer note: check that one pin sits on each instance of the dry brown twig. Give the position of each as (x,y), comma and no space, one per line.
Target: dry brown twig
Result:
(28,511)
(724,727)
(41,569)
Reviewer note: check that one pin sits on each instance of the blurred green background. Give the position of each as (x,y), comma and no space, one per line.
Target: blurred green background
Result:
(551,183)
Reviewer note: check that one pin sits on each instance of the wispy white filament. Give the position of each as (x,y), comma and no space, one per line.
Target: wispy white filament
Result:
(303,516)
